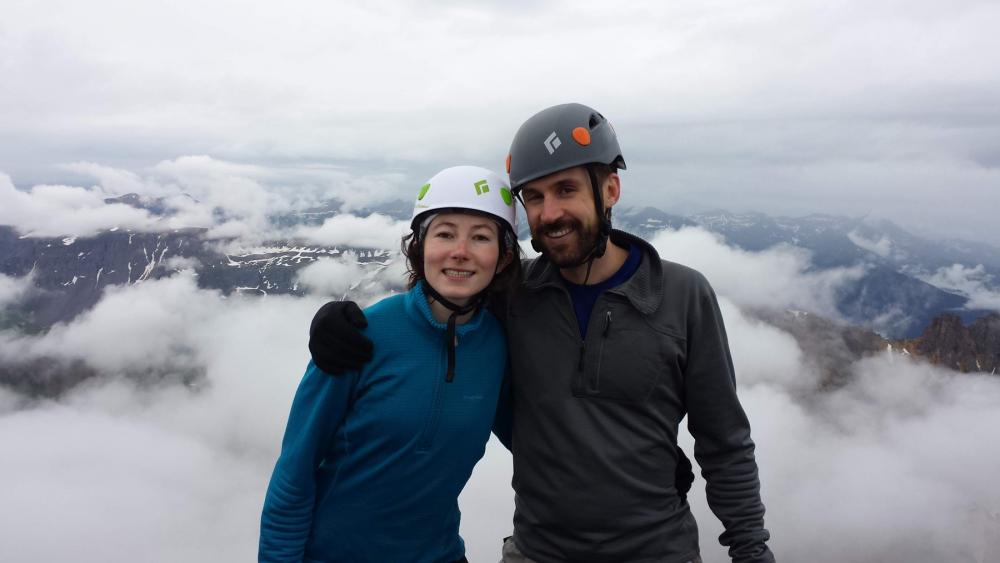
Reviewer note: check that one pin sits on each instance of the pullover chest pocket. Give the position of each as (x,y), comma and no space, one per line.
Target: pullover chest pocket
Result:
(623,358)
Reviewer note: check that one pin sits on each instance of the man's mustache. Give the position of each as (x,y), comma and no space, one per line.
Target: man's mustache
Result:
(558,225)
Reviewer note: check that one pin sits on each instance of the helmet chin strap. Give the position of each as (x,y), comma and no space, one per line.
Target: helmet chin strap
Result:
(456,311)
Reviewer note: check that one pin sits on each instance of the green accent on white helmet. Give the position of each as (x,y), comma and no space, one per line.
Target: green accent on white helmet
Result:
(466,187)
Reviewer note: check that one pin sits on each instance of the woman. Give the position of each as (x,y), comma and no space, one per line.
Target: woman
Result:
(372,462)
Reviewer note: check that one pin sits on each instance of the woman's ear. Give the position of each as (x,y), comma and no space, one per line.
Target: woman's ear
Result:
(505,261)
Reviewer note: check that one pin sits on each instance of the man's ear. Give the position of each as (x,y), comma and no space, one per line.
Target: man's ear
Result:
(612,189)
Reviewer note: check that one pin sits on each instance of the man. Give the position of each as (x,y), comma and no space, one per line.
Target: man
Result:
(610,348)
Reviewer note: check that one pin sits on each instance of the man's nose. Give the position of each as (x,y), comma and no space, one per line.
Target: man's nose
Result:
(551,211)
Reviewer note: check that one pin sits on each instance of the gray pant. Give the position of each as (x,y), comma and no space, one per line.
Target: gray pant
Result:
(511,554)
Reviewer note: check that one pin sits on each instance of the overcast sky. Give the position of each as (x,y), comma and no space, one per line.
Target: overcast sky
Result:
(886,108)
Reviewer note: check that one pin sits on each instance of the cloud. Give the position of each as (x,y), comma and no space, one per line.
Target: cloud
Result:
(765,354)
(338,277)
(249,203)
(181,263)
(890,460)
(899,459)
(130,330)
(115,180)
(881,247)
(975,283)
(13,288)
(52,211)
(780,277)
(175,471)
(374,231)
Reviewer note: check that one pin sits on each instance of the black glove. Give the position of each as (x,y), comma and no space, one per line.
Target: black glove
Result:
(683,477)
(335,339)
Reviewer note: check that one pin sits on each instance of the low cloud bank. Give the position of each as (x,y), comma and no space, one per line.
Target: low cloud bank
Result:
(974,283)
(12,289)
(895,466)
(780,277)
(51,211)
(373,231)
(346,278)
(230,200)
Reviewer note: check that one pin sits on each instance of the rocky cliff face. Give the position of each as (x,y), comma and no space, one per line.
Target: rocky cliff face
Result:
(830,347)
(948,342)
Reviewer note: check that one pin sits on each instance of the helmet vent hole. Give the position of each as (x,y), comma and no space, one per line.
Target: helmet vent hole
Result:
(595,120)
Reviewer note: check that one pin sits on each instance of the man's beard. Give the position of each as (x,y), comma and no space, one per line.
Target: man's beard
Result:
(573,254)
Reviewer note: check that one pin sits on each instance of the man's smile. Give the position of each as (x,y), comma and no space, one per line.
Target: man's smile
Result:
(558,233)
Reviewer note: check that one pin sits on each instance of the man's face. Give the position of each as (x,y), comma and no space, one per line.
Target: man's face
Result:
(561,214)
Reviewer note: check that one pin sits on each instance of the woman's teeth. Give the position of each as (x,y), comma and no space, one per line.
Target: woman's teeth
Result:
(457,273)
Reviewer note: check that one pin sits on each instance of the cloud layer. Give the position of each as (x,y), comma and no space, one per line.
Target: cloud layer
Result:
(170,448)
(12,289)
(780,277)
(973,283)
(229,200)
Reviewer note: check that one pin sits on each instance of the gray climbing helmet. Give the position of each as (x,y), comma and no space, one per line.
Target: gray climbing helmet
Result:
(558,138)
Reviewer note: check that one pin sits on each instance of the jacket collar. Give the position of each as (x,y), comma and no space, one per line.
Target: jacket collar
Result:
(419,308)
(644,289)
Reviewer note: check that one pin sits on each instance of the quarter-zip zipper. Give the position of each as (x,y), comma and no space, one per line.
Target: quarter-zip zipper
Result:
(596,379)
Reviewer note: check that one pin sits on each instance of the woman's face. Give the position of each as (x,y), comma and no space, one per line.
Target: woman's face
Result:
(460,255)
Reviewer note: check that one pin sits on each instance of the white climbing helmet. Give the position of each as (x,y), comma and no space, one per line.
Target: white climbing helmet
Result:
(466,187)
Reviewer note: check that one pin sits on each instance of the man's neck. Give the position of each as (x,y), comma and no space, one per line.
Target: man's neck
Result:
(602,268)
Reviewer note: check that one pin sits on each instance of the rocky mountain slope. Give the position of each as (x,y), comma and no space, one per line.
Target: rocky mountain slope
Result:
(832,347)
(892,295)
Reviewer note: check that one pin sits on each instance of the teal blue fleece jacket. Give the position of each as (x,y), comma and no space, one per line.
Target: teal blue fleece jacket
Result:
(372,462)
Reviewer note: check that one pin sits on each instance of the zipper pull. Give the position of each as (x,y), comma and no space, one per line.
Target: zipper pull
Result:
(607,323)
